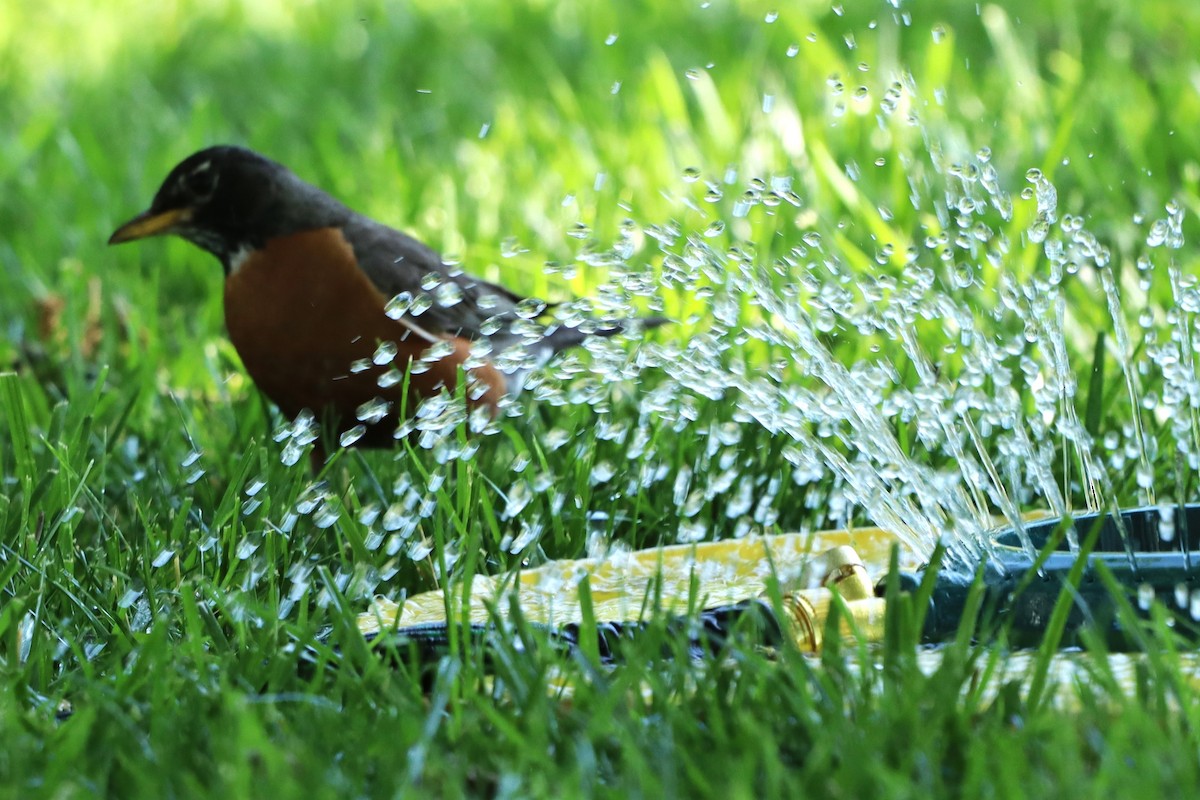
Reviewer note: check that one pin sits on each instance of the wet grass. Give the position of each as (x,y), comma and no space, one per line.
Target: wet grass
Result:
(162,568)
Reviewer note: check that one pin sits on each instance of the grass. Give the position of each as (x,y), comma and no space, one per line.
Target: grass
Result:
(162,568)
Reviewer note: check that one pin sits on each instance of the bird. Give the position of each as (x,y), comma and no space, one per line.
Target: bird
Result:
(329,310)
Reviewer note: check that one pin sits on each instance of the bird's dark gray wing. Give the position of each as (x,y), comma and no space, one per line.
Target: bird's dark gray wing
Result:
(396,262)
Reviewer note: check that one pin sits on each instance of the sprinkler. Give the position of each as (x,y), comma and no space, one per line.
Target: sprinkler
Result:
(1148,552)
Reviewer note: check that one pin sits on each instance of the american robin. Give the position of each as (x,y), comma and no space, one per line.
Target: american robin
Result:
(324,305)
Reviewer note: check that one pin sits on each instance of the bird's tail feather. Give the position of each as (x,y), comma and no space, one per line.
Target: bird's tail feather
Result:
(563,338)
(560,338)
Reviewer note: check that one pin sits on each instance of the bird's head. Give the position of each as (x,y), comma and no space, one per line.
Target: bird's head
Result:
(225,199)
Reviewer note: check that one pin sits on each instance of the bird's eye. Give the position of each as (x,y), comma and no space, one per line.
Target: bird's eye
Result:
(201,182)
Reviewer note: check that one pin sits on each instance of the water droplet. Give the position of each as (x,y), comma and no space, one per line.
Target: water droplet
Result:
(1145,477)
(602,472)
(1166,522)
(492,325)
(352,435)
(327,514)
(420,303)
(387,380)
(128,598)
(420,550)
(385,353)
(373,411)
(530,308)
(1157,234)
(555,439)
(247,547)
(369,514)
(398,306)
(683,481)
(440,349)
(448,294)
(1145,596)
(519,496)
(691,531)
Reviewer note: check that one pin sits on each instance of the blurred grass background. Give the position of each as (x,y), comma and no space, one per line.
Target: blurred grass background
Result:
(150,575)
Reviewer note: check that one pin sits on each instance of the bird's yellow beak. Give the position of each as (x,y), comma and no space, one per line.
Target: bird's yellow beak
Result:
(150,223)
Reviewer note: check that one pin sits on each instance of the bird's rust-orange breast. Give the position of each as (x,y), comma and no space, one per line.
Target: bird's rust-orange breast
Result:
(304,318)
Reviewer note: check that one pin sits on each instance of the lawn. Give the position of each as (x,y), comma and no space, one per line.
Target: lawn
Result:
(926,263)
